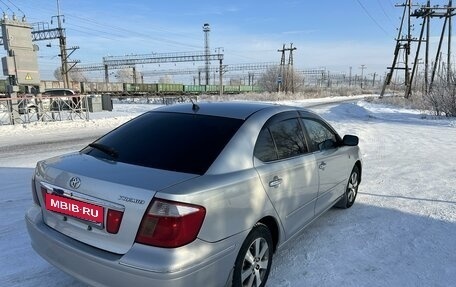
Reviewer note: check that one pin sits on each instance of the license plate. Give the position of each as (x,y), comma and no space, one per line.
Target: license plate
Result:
(74,208)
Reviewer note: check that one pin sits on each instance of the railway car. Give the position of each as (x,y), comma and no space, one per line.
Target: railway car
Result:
(132,89)
(148,88)
(168,89)
(245,89)
(194,89)
(212,89)
(231,89)
(129,88)
(257,89)
(101,87)
(48,85)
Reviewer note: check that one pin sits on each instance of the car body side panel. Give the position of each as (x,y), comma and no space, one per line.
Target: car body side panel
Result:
(234,202)
(294,196)
(334,167)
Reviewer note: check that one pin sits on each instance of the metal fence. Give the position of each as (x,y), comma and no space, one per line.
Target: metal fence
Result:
(30,108)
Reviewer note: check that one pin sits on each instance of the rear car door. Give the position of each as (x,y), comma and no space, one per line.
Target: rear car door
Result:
(331,161)
(287,170)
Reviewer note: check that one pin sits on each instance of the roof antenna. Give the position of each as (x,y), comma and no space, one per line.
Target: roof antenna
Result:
(195,107)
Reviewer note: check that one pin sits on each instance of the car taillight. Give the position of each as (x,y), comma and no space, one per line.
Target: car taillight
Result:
(170,224)
(113,221)
(34,194)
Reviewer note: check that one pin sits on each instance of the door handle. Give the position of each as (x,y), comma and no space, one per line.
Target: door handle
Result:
(322,165)
(275,182)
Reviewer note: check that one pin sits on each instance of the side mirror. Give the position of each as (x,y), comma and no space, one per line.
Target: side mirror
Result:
(350,140)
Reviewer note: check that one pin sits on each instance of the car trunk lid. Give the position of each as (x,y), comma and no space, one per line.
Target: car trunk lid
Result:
(83,197)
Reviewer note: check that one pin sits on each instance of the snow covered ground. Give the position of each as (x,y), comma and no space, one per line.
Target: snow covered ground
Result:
(400,232)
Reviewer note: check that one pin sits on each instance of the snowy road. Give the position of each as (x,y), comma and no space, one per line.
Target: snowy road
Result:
(400,232)
(28,152)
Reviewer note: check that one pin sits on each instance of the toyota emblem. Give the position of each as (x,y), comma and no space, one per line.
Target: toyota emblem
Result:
(75,182)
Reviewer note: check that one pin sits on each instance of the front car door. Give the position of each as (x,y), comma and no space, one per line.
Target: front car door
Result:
(287,170)
(331,161)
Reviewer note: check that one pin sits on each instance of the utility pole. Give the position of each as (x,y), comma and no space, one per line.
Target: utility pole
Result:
(409,42)
(206,30)
(290,66)
(63,51)
(373,79)
(280,78)
(350,77)
(399,46)
(135,80)
(289,77)
(449,15)
(362,74)
(426,57)
(425,12)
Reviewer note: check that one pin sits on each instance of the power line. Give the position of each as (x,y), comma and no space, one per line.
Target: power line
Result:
(384,12)
(7,7)
(107,28)
(132,32)
(127,30)
(92,30)
(372,18)
(16,7)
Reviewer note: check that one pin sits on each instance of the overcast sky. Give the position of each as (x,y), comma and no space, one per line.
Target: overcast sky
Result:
(335,34)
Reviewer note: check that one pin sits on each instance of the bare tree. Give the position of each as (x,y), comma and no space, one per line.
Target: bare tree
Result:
(442,97)
(124,75)
(75,75)
(167,79)
(58,74)
(291,81)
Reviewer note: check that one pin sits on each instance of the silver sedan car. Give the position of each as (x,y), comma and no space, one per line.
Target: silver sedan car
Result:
(191,195)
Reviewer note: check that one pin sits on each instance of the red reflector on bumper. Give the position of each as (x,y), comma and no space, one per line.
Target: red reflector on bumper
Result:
(113,221)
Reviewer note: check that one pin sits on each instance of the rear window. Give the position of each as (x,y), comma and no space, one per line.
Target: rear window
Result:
(179,142)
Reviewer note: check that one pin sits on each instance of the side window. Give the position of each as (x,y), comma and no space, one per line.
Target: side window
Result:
(288,138)
(265,148)
(280,140)
(321,137)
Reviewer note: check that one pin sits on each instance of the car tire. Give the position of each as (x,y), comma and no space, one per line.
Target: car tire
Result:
(351,191)
(253,262)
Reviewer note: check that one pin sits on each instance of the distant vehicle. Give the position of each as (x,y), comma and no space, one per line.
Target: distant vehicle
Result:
(191,195)
(26,104)
(62,99)
(58,92)
(52,99)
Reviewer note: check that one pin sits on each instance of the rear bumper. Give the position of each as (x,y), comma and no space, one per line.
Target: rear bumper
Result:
(198,264)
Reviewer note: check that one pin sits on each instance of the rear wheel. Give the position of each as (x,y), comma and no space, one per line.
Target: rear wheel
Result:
(349,197)
(253,262)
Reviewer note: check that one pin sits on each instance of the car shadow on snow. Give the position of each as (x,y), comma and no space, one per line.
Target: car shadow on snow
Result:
(409,198)
(369,245)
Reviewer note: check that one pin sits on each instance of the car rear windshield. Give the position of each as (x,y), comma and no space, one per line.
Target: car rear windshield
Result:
(179,142)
